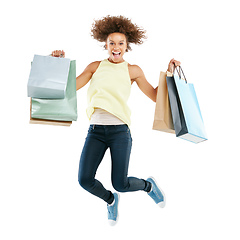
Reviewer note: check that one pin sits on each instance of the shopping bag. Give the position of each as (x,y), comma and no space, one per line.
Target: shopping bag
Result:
(58,109)
(47,122)
(187,117)
(48,77)
(163,116)
(50,122)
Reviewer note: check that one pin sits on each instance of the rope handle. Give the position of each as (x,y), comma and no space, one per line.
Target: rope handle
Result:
(179,71)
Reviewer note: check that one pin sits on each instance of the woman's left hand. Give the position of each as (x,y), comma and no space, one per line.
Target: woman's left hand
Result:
(173,63)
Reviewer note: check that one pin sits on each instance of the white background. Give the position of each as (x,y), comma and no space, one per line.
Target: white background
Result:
(40,194)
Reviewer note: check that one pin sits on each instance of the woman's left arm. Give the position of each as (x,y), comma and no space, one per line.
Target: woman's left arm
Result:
(137,75)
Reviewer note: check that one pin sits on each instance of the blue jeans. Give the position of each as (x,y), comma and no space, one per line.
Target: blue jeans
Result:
(99,139)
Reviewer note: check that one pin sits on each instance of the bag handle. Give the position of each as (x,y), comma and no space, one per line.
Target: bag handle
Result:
(179,71)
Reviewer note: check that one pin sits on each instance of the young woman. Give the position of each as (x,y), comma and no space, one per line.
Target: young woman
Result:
(109,115)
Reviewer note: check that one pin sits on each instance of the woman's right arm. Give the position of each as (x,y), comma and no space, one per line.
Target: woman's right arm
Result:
(86,75)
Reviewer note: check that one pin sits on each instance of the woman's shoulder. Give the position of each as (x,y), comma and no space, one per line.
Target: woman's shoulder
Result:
(93,66)
(134,71)
(134,67)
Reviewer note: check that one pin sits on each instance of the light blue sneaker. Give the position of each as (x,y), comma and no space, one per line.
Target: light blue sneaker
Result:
(113,210)
(156,193)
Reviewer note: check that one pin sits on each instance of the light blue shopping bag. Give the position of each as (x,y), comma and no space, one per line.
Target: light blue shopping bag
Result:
(188,121)
(48,77)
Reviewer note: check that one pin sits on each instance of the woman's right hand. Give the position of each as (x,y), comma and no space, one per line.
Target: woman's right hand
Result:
(58,53)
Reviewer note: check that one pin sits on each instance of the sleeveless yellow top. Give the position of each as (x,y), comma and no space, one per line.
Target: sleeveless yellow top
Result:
(109,89)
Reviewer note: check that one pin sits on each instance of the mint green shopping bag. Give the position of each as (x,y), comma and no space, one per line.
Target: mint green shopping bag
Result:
(58,109)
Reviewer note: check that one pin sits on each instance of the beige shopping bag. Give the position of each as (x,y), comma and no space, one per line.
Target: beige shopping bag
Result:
(163,117)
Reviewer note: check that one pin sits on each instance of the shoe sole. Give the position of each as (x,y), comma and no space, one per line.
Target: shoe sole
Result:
(162,203)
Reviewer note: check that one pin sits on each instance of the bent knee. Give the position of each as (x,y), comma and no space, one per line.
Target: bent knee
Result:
(120,187)
(84,182)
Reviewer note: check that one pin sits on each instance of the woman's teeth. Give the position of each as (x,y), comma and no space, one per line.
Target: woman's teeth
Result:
(116,53)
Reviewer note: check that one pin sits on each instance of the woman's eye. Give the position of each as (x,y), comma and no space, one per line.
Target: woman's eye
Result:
(111,43)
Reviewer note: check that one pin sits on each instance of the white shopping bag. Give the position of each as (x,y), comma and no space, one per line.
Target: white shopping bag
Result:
(48,77)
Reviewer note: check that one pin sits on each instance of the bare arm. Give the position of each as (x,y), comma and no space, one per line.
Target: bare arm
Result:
(138,76)
(86,75)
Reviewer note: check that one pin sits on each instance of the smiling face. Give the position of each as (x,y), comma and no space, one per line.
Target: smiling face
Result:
(116,45)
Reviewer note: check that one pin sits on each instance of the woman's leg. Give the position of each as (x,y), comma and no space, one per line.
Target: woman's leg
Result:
(92,155)
(120,148)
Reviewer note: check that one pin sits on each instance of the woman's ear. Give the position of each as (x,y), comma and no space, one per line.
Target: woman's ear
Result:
(105,46)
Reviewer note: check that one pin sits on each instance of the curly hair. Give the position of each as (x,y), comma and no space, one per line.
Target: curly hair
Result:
(111,24)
